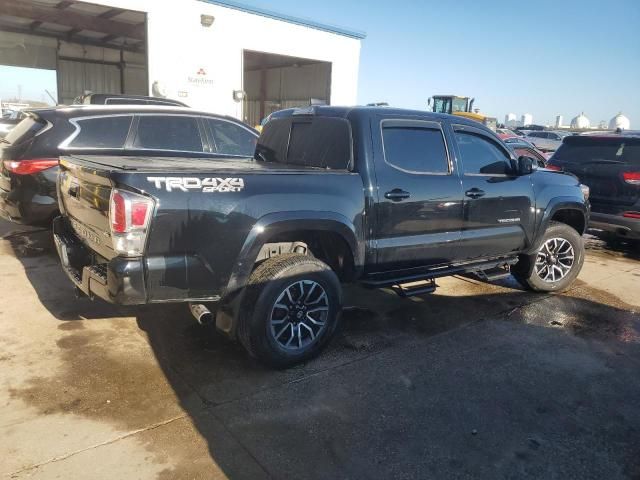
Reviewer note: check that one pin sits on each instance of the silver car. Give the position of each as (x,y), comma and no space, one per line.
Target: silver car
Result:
(546,141)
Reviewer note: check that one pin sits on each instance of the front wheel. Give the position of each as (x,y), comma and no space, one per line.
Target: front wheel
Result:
(556,264)
(290,310)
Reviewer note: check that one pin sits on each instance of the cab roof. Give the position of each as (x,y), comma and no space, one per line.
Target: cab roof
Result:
(360,112)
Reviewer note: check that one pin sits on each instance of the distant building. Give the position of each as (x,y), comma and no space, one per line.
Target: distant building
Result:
(527,119)
(511,120)
(619,122)
(581,121)
(559,120)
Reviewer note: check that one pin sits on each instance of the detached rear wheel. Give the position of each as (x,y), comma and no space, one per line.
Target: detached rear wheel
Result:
(556,264)
(290,310)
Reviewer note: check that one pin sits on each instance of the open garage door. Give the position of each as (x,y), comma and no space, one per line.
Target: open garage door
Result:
(92,47)
(273,82)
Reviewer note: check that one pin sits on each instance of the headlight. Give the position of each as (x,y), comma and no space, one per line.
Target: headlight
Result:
(585,191)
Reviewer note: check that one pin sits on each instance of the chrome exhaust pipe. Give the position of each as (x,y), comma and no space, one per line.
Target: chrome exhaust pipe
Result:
(201,313)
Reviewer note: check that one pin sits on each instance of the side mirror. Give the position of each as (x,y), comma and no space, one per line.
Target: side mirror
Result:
(525,165)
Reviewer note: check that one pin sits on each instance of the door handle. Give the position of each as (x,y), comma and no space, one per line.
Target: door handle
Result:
(397,195)
(474,193)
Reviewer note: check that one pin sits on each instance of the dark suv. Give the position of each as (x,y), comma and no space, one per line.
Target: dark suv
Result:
(30,152)
(121,99)
(610,166)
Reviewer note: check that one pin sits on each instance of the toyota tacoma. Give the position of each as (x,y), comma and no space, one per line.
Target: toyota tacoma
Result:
(260,246)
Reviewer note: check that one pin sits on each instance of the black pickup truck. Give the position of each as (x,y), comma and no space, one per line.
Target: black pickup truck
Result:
(388,198)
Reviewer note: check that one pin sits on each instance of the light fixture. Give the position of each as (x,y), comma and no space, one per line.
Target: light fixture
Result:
(238,95)
(207,20)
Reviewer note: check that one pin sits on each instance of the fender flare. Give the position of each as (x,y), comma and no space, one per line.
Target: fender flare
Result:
(264,229)
(554,206)
(282,222)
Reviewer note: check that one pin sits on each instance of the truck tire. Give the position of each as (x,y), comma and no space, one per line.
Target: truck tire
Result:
(290,310)
(556,264)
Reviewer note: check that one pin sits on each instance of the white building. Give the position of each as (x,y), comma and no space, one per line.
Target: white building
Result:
(559,121)
(527,119)
(619,122)
(214,55)
(581,121)
(510,120)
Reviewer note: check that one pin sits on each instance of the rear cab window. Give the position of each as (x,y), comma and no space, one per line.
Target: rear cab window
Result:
(310,141)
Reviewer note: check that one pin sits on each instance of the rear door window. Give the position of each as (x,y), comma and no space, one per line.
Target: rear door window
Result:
(168,132)
(415,149)
(231,139)
(102,132)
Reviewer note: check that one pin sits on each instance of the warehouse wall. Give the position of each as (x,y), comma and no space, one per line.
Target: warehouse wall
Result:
(305,81)
(179,48)
(286,87)
(74,77)
(27,51)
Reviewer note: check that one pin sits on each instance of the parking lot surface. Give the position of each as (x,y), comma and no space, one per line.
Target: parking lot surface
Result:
(475,381)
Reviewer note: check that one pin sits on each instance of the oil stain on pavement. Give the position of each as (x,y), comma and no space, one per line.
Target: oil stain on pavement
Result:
(472,382)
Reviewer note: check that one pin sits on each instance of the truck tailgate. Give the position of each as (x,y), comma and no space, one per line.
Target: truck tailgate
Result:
(84,196)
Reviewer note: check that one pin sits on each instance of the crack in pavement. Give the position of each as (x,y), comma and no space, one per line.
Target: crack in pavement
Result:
(98,445)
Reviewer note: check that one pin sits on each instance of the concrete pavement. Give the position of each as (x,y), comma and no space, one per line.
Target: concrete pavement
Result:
(476,381)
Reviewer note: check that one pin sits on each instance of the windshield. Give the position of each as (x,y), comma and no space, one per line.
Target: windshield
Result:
(459,105)
(442,105)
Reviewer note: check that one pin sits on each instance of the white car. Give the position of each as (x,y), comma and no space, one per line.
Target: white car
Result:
(545,140)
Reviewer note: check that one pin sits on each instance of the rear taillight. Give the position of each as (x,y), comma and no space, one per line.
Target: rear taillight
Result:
(129,216)
(632,178)
(555,168)
(27,167)
(631,215)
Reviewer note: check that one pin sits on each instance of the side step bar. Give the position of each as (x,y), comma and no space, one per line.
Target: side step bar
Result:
(415,288)
(497,273)
(456,269)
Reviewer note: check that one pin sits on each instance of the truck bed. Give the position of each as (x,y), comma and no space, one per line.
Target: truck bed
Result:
(182,164)
(205,210)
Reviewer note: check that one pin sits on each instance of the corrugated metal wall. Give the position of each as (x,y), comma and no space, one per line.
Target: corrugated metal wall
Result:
(76,73)
(76,77)
(286,87)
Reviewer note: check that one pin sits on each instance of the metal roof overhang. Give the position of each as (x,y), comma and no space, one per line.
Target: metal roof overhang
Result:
(75,21)
(289,19)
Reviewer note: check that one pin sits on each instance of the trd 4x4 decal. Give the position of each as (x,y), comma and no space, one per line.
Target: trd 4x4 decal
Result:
(205,185)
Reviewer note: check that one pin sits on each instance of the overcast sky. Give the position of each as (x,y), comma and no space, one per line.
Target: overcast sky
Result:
(540,57)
